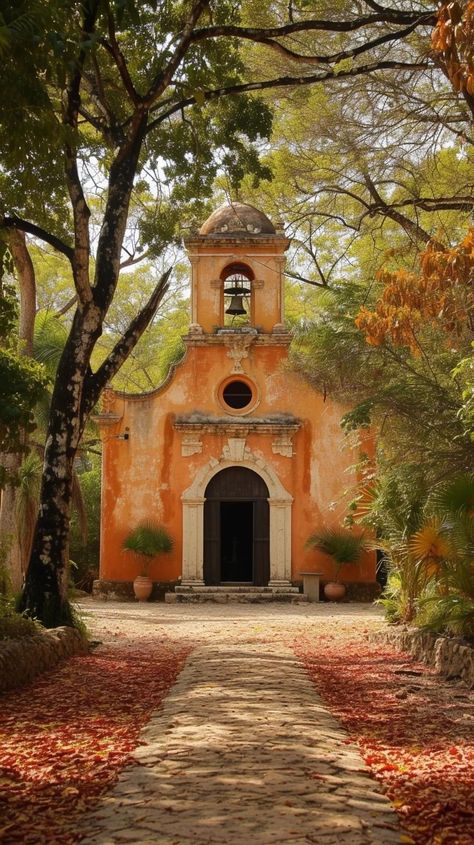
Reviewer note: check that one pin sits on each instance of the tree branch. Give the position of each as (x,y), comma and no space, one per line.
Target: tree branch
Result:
(122,349)
(37,232)
(393,16)
(381,207)
(286,82)
(291,275)
(366,47)
(462,203)
(118,57)
(69,304)
(81,213)
(165,77)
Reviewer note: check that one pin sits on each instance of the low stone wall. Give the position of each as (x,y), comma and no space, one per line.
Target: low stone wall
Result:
(21,660)
(449,656)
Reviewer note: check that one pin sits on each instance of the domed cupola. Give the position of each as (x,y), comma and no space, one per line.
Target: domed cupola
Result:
(237,220)
(237,260)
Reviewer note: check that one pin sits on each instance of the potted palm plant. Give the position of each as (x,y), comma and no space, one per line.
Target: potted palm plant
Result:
(343,547)
(147,540)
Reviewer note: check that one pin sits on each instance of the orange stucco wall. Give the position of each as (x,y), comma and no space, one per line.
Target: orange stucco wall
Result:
(146,475)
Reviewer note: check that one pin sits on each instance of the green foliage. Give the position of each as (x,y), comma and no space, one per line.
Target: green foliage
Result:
(464,373)
(22,385)
(8,309)
(412,402)
(427,537)
(12,624)
(85,551)
(49,339)
(161,346)
(340,544)
(148,540)
(392,597)
(448,607)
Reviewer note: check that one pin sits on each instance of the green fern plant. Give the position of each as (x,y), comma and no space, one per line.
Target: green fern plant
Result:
(148,540)
(342,545)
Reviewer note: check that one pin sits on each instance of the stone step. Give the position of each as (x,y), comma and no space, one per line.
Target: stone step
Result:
(181,596)
(235,588)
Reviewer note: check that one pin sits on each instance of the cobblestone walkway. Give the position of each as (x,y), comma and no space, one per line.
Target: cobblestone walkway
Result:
(243,750)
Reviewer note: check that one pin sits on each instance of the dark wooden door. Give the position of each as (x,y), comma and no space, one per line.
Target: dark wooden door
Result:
(249,545)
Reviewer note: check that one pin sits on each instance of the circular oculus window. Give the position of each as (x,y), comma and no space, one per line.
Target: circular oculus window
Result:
(237,395)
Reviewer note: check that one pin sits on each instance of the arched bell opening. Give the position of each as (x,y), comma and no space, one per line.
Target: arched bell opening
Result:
(237,295)
(236,529)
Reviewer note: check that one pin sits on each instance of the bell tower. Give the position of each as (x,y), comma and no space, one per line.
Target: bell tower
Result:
(237,259)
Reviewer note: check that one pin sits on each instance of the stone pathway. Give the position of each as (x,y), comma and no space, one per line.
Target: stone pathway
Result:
(243,750)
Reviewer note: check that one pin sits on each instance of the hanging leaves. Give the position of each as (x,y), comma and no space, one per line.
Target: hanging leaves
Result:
(453,43)
(441,295)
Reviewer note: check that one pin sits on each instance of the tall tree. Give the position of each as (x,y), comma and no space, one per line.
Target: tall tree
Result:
(107,97)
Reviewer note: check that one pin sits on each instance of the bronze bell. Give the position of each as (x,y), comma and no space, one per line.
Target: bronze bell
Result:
(236,305)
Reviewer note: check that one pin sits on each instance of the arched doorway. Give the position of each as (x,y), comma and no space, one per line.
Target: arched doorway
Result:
(236,528)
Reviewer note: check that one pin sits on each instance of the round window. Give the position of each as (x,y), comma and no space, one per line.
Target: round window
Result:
(237,394)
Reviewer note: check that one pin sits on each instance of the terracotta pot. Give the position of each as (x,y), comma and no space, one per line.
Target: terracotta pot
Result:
(334,591)
(142,587)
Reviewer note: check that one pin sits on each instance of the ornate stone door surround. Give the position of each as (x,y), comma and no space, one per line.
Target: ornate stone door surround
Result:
(280,502)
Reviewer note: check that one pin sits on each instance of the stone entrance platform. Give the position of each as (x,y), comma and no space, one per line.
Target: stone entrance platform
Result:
(242,593)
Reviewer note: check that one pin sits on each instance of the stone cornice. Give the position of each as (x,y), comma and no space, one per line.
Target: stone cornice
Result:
(236,427)
(222,337)
(106,419)
(242,238)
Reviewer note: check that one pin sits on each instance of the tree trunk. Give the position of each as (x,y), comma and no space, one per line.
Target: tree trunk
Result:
(9,544)
(27,284)
(16,562)
(76,389)
(45,593)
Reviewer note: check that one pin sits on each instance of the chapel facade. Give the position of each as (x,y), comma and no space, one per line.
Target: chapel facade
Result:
(235,453)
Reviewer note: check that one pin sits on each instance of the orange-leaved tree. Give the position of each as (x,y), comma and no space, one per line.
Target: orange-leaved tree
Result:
(453,46)
(441,295)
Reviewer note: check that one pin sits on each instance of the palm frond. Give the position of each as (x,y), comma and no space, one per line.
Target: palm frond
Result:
(49,340)
(454,496)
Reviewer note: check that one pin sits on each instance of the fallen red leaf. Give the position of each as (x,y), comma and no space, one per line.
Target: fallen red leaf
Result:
(64,739)
(416,744)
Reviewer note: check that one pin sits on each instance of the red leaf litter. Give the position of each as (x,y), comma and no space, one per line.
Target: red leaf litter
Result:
(65,738)
(414,731)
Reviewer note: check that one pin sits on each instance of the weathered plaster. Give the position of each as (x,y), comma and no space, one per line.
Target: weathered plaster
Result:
(180,435)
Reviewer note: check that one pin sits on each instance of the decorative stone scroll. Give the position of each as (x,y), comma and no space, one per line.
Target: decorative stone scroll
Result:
(239,345)
(108,415)
(108,400)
